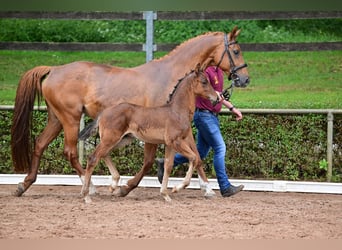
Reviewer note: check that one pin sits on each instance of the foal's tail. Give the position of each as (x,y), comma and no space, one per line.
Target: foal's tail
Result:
(91,129)
(29,87)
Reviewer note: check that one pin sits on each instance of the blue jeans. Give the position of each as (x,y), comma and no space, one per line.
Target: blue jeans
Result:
(209,136)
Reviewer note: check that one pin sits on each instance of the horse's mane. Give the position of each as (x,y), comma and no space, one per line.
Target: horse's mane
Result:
(177,85)
(187,42)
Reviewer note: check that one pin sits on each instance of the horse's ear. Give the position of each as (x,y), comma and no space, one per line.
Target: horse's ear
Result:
(234,33)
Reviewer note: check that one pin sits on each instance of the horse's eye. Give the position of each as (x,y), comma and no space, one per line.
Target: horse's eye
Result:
(236,52)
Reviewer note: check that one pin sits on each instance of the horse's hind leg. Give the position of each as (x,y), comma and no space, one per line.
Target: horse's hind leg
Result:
(50,132)
(70,152)
(149,155)
(168,164)
(204,183)
(71,128)
(186,180)
(114,173)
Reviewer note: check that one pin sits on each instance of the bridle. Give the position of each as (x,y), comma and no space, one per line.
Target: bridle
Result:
(233,68)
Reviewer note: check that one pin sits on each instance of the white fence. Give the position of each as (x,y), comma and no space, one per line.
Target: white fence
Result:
(250,185)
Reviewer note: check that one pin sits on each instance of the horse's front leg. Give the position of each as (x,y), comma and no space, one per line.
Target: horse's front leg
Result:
(204,183)
(149,155)
(203,180)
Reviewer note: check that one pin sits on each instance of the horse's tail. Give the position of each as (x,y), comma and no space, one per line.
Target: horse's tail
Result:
(89,130)
(29,87)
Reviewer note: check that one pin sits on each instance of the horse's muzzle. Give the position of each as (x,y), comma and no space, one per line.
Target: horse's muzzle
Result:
(240,81)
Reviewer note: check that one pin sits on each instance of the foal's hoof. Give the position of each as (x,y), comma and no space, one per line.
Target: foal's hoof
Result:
(20,190)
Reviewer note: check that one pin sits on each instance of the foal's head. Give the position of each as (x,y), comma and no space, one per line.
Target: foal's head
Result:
(202,87)
(197,83)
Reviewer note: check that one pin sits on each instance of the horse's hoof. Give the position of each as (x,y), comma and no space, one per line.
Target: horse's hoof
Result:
(92,190)
(174,190)
(167,198)
(112,189)
(123,191)
(87,200)
(209,194)
(20,190)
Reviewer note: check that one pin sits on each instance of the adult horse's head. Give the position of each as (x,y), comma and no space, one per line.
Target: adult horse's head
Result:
(231,61)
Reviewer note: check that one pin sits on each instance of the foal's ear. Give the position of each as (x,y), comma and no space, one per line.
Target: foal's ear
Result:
(198,68)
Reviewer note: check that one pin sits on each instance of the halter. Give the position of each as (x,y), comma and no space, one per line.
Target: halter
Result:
(233,68)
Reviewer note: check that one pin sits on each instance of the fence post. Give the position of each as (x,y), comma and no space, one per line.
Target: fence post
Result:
(330,119)
(149,47)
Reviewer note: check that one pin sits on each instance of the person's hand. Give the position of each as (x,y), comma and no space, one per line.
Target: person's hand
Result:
(237,113)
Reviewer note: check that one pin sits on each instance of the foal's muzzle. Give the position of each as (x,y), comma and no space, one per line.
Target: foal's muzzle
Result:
(215,101)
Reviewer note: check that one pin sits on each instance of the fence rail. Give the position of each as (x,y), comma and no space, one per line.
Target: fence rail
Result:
(169,15)
(173,15)
(259,47)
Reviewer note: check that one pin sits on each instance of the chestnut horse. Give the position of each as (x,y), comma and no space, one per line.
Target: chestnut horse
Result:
(169,124)
(84,87)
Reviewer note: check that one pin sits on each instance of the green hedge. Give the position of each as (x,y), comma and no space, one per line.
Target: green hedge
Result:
(118,31)
(285,147)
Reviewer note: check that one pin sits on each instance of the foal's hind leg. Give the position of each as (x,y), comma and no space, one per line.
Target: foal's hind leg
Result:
(50,132)
(149,155)
(126,140)
(102,150)
(168,164)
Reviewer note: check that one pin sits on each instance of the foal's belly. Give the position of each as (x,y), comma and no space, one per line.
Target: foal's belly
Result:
(153,136)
